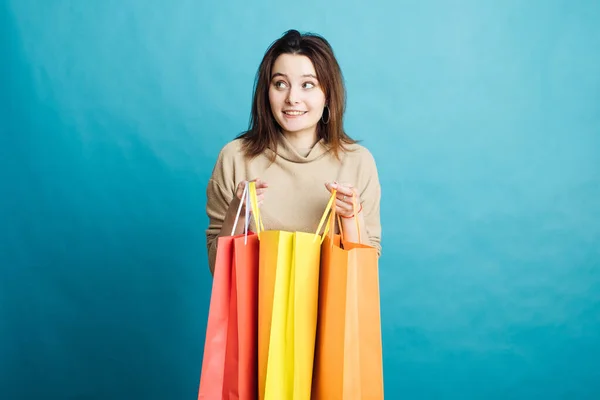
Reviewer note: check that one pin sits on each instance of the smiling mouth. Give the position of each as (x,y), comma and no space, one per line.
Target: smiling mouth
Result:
(294,113)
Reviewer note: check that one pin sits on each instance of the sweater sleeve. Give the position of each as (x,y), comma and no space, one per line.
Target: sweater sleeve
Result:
(370,195)
(219,193)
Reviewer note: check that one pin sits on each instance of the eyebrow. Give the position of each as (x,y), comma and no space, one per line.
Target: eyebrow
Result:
(285,76)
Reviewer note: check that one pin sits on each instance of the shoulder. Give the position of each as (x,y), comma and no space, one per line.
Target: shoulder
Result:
(232,150)
(359,155)
(230,154)
(359,166)
(229,161)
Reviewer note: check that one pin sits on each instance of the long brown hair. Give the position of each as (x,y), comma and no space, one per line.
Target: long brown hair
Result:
(263,131)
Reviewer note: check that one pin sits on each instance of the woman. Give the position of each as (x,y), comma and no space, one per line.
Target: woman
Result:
(296,150)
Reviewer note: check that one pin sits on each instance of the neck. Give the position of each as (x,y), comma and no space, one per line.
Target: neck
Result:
(301,140)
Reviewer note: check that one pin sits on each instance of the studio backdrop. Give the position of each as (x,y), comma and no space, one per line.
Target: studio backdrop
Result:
(484,119)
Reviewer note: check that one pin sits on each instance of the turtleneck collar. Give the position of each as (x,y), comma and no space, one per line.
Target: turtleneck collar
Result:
(286,151)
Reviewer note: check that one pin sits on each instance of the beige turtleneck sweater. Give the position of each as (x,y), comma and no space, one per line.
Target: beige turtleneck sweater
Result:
(296,196)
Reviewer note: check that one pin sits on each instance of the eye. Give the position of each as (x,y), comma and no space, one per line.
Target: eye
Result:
(308,85)
(280,84)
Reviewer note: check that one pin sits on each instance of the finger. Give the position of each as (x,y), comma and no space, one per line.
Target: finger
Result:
(240,190)
(331,186)
(260,183)
(343,197)
(348,199)
(342,206)
(347,187)
(343,213)
(260,191)
(345,191)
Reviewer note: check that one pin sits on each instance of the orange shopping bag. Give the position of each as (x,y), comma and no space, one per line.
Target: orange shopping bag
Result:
(230,352)
(287,309)
(348,355)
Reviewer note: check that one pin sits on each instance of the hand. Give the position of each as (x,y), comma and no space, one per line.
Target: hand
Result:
(261,188)
(346,194)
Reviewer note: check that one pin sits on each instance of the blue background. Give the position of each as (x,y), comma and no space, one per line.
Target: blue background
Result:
(483,116)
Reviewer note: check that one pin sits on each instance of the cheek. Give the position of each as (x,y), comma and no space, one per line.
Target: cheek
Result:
(275,98)
(271,98)
(318,102)
(319,99)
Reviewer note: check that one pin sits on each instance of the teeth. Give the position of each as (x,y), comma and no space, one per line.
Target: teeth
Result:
(294,112)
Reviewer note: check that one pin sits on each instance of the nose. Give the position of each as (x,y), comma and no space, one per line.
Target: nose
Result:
(292,97)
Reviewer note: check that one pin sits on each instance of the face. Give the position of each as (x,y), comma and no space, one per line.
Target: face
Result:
(296,97)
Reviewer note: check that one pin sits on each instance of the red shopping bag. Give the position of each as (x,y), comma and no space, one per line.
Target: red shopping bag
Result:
(229,366)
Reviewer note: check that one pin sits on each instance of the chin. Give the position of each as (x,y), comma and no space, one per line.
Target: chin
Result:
(298,128)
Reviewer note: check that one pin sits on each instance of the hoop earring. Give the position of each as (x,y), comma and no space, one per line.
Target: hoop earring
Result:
(328,115)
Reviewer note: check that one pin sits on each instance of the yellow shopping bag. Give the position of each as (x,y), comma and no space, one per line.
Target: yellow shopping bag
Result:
(288,285)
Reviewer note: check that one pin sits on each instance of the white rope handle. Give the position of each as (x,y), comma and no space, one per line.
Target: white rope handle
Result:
(248,207)
(239,211)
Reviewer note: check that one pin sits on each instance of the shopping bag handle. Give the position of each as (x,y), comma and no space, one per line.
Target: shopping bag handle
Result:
(332,220)
(258,219)
(239,210)
(245,199)
(328,208)
(253,200)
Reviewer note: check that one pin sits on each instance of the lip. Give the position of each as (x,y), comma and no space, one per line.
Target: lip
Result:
(293,116)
